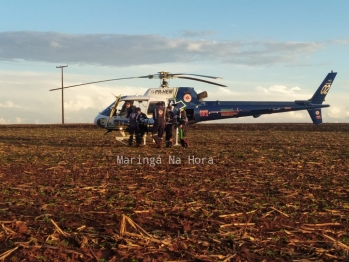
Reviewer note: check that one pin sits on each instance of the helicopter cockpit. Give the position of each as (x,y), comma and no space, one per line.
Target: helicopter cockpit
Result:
(122,110)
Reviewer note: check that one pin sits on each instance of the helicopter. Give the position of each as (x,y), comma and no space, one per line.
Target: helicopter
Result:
(114,117)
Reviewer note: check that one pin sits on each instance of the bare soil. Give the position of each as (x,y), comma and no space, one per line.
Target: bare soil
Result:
(255,192)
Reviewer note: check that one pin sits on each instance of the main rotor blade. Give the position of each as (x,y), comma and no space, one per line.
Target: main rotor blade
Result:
(213,77)
(196,79)
(148,76)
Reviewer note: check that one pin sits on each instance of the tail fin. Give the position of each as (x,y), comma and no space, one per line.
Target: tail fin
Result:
(315,115)
(321,92)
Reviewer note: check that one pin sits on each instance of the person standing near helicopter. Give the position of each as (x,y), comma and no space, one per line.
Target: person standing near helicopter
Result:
(169,126)
(183,127)
(142,121)
(159,124)
(126,109)
(134,128)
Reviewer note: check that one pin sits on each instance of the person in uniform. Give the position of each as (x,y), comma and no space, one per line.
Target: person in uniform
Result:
(169,126)
(176,110)
(143,123)
(134,128)
(159,124)
(183,127)
(126,110)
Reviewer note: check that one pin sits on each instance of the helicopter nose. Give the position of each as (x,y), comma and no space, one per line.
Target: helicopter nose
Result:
(100,121)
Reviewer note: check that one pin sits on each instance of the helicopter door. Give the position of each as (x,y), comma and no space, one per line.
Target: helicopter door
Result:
(190,114)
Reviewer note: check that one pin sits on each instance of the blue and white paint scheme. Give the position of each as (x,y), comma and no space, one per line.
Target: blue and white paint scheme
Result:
(199,110)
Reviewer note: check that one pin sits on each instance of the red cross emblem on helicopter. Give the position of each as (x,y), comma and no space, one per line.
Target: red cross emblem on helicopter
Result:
(187,98)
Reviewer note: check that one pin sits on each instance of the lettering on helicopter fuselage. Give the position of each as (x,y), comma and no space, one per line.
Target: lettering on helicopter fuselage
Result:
(325,89)
(162,92)
(204,113)
(229,112)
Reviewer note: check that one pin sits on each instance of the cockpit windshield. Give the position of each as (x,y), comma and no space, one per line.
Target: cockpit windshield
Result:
(106,112)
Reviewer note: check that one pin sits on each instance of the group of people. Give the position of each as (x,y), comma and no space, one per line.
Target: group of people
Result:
(164,122)
(137,125)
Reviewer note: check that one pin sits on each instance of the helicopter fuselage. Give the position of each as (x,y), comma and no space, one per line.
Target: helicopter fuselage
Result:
(186,98)
(197,110)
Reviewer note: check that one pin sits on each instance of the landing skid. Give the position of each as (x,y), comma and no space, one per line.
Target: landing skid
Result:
(125,138)
(122,137)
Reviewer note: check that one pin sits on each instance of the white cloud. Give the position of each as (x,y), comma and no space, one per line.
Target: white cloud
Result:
(224,90)
(126,50)
(337,112)
(134,55)
(79,102)
(193,33)
(278,89)
(16,120)
(298,115)
(55,44)
(9,104)
(194,47)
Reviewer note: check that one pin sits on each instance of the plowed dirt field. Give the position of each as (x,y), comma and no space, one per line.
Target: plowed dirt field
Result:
(239,192)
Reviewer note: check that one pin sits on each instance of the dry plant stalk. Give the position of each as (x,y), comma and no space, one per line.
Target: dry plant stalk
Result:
(7,253)
(8,231)
(237,225)
(60,231)
(6,222)
(237,214)
(133,224)
(344,246)
(142,233)
(323,224)
(282,213)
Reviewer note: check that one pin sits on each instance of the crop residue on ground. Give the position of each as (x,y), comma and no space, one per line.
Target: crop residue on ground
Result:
(239,192)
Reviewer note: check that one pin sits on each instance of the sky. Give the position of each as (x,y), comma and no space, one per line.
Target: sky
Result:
(263,51)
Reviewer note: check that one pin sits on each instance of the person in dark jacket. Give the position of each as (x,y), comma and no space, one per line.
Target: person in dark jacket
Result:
(134,128)
(169,126)
(126,109)
(143,122)
(183,127)
(159,124)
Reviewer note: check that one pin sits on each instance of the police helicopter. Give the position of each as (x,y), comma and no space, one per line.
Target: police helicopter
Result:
(114,117)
